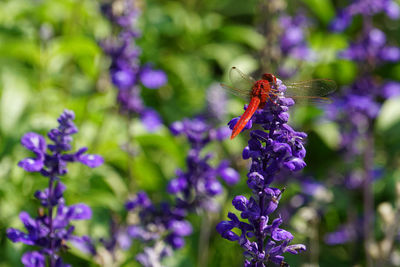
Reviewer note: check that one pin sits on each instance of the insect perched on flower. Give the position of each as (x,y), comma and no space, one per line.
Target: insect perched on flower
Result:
(264,90)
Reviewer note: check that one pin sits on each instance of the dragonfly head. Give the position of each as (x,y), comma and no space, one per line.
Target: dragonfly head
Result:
(269,77)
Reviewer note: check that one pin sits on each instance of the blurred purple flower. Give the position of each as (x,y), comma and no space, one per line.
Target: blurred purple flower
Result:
(342,235)
(390,54)
(292,40)
(391,89)
(161,228)
(151,119)
(162,224)
(356,110)
(341,22)
(216,102)
(126,71)
(368,8)
(152,79)
(196,187)
(372,47)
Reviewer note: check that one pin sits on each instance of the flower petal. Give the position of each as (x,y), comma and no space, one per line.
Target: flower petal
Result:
(79,212)
(34,142)
(91,160)
(33,259)
(31,164)
(16,235)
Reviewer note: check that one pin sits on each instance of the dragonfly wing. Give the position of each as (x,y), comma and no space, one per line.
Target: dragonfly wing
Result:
(240,80)
(244,94)
(312,88)
(311,99)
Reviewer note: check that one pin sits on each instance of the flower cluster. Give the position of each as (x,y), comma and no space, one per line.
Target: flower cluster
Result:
(366,8)
(46,231)
(292,40)
(126,71)
(196,187)
(54,163)
(344,234)
(372,47)
(293,44)
(359,105)
(271,151)
(157,223)
(162,227)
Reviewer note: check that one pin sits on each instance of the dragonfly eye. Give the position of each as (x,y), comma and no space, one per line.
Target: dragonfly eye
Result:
(269,77)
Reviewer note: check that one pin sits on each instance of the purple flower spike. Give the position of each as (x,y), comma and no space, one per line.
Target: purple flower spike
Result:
(54,163)
(278,148)
(293,42)
(200,182)
(162,228)
(366,8)
(50,230)
(126,71)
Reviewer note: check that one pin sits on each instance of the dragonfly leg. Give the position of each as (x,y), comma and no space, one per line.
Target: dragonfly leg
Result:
(275,95)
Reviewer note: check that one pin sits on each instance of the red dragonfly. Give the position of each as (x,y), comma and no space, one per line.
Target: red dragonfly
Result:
(265,89)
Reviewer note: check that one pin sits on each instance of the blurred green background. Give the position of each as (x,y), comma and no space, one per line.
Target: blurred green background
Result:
(50,60)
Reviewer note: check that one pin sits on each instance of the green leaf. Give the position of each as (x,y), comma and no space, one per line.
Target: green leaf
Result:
(14,99)
(243,34)
(389,115)
(323,9)
(329,133)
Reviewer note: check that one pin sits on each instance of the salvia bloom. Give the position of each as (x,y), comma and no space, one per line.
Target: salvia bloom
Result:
(366,8)
(276,148)
(360,103)
(354,111)
(293,44)
(372,47)
(50,231)
(126,71)
(162,227)
(292,40)
(196,187)
(344,234)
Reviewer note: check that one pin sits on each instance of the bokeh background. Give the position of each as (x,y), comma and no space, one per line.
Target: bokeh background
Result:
(51,60)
